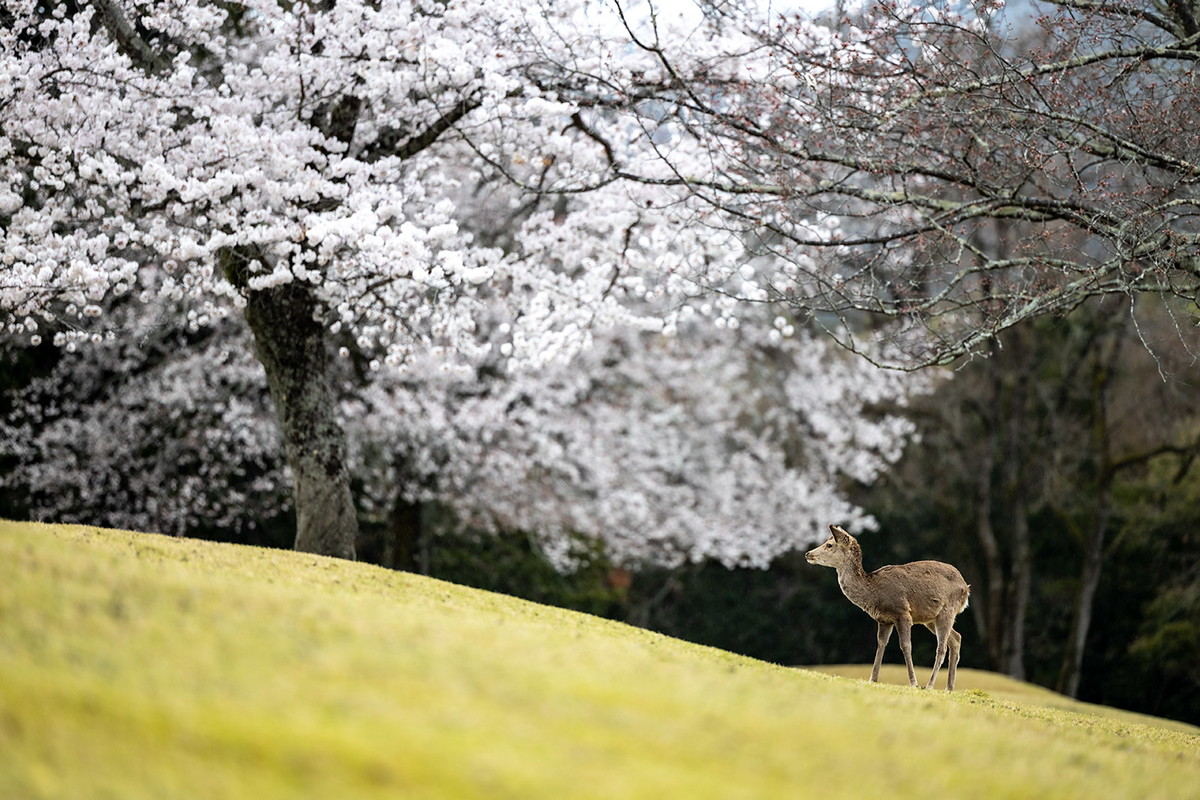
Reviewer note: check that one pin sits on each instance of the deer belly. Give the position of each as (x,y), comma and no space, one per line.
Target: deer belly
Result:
(925,612)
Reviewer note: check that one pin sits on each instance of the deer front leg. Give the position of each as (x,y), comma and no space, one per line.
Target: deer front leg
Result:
(881,639)
(904,628)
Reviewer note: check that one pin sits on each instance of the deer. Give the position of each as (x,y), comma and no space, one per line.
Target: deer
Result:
(929,593)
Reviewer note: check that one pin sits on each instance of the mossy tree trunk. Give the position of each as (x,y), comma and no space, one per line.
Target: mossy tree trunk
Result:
(291,344)
(292,348)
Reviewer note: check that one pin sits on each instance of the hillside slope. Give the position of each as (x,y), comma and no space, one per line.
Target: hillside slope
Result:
(135,665)
(1002,687)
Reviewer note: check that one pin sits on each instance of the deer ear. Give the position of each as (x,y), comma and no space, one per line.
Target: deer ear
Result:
(837,532)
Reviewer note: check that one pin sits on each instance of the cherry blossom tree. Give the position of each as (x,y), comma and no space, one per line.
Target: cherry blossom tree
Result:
(303,165)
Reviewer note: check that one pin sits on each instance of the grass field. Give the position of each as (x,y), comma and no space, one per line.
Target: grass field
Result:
(135,665)
(1002,687)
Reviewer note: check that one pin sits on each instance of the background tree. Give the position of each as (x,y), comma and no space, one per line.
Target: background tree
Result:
(1081,410)
(871,165)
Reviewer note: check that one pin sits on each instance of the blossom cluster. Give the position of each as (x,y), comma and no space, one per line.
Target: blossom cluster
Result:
(161,430)
(666,450)
(342,150)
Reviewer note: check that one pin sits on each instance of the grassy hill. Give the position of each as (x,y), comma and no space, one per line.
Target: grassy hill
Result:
(135,665)
(1002,687)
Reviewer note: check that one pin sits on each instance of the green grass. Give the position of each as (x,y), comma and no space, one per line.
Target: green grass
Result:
(134,665)
(1002,687)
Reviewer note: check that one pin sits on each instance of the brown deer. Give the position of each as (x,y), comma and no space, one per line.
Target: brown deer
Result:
(928,593)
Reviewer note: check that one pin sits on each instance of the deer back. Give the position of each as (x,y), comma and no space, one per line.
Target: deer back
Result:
(922,588)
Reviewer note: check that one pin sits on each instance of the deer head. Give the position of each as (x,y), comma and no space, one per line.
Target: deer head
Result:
(840,548)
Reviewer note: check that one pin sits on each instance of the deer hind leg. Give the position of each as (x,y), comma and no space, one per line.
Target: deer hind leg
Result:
(943,627)
(955,644)
(904,628)
(881,639)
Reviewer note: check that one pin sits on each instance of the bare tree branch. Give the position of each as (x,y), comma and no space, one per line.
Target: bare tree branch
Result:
(131,44)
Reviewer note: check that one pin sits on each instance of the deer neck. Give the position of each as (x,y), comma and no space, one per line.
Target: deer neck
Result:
(853,580)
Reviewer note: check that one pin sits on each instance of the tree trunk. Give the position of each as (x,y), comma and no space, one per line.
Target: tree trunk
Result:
(291,345)
(406,541)
(1072,668)
(1022,573)
(993,606)
(1022,554)
(1093,561)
